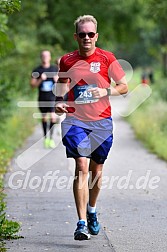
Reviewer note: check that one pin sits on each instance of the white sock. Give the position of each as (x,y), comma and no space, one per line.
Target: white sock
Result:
(84,221)
(91,209)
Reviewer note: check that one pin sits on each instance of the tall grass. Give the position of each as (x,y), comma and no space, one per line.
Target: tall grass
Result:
(149,121)
(14,131)
(150,126)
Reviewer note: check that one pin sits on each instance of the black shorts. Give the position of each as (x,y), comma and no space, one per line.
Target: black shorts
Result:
(46,102)
(49,109)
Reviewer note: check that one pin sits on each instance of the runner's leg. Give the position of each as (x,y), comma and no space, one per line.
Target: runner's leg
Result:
(80,186)
(44,124)
(94,181)
(52,123)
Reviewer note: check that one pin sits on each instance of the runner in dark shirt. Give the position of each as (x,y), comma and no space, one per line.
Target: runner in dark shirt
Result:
(44,77)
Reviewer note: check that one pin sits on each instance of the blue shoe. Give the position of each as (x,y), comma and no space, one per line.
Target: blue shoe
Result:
(93,224)
(81,232)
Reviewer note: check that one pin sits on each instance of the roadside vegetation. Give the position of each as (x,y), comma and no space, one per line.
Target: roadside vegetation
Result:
(149,120)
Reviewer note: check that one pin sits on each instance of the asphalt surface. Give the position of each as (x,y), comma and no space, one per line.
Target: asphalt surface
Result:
(132,206)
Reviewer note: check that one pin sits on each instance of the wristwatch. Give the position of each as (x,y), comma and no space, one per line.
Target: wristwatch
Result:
(108,91)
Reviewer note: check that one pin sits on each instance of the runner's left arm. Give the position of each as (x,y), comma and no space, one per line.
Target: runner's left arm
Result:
(119,89)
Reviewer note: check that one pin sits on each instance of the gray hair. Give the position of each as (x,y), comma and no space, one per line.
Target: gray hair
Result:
(83,19)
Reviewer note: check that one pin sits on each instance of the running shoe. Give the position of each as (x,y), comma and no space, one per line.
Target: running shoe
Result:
(81,232)
(93,224)
(46,143)
(52,144)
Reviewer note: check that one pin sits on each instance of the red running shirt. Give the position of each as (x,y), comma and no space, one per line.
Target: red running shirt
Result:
(85,72)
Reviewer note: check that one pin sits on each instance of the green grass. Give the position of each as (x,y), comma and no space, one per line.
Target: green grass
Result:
(14,132)
(149,121)
(150,126)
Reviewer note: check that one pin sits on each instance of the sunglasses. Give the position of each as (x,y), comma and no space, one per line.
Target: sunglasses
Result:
(83,34)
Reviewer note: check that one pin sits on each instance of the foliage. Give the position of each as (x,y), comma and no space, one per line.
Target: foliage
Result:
(4,159)
(132,29)
(14,132)
(6,7)
(149,122)
(9,6)
(125,27)
(162,90)
(158,9)
(113,17)
(5,44)
(8,228)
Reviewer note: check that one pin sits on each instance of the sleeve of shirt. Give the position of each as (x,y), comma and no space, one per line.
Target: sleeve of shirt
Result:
(62,67)
(115,71)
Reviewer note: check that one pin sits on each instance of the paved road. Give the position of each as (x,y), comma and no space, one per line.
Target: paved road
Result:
(132,205)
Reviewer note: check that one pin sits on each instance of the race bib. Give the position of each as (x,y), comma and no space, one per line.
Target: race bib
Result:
(82,95)
(46,86)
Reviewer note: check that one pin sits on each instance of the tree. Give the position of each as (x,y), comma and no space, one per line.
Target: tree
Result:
(6,8)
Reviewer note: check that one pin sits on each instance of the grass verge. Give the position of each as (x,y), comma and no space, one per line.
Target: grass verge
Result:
(149,121)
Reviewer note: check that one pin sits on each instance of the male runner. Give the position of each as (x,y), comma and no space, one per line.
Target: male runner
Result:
(87,130)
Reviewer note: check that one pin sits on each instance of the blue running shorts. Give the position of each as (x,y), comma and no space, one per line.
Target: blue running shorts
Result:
(87,139)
